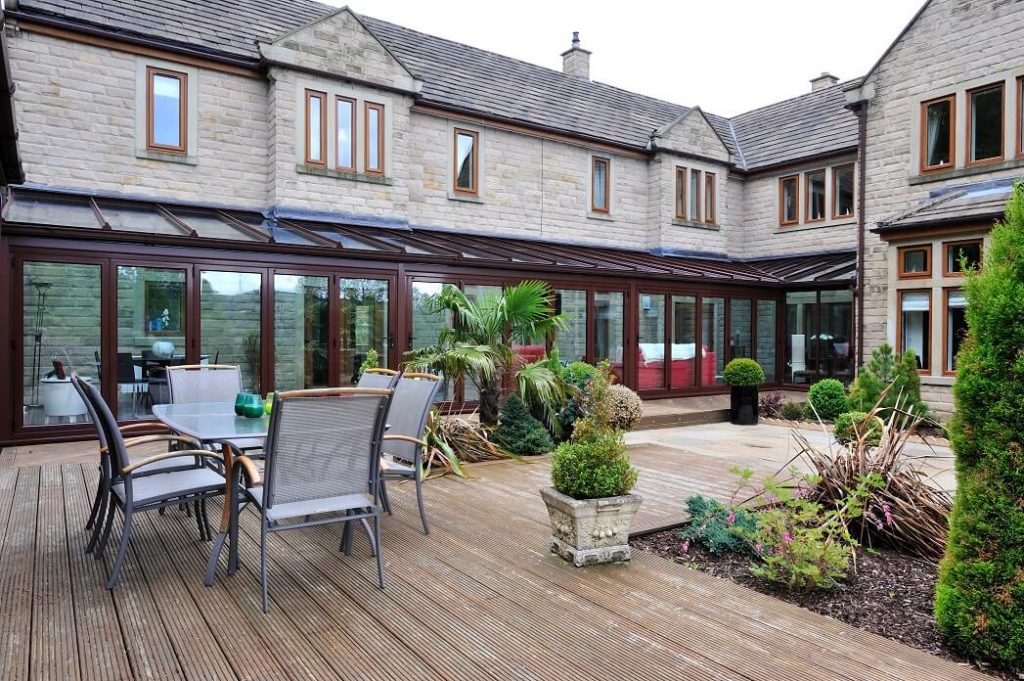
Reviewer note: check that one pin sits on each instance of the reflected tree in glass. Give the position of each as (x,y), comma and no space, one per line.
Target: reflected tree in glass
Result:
(229,308)
(363,321)
(300,331)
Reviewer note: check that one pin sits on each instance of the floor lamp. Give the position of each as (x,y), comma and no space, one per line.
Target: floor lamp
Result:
(41,288)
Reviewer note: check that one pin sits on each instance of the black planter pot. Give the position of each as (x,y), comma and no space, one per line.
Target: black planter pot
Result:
(743,405)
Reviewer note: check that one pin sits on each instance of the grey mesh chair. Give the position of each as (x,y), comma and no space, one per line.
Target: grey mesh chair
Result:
(100,504)
(194,383)
(322,466)
(134,492)
(404,444)
(378,378)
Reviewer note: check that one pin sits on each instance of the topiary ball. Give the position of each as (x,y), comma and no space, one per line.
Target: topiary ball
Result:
(627,408)
(828,398)
(849,427)
(743,371)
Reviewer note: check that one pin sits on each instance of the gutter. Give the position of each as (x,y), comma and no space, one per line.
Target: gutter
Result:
(861,111)
(11,170)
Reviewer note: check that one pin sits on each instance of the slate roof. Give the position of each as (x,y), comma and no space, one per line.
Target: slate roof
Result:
(983,202)
(466,78)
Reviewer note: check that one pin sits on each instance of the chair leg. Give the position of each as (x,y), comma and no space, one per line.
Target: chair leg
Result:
(206,519)
(106,508)
(376,542)
(419,501)
(102,546)
(199,520)
(384,500)
(126,533)
(369,536)
(346,538)
(263,568)
(101,489)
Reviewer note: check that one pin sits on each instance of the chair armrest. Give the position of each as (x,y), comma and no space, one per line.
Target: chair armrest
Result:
(143,439)
(249,470)
(406,438)
(143,426)
(202,453)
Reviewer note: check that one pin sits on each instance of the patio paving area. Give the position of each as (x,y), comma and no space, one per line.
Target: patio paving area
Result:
(480,597)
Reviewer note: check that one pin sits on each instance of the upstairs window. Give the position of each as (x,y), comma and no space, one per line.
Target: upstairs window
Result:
(709,198)
(599,194)
(815,195)
(167,110)
(374,151)
(789,200)
(842,192)
(345,124)
(694,214)
(316,128)
(680,193)
(985,124)
(915,262)
(466,154)
(937,126)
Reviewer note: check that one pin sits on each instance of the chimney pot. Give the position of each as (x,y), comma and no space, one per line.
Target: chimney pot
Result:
(576,60)
(825,80)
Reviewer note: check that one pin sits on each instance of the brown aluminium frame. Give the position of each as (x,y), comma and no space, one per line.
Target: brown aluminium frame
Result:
(682,179)
(808,220)
(381,165)
(474,188)
(322,97)
(695,193)
(968,161)
(946,245)
(351,168)
(925,368)
(795,179)
(853,193)
(710,194)
(947,370)
(607,163)
(1019,112)
(925,168)
(182,78)
(901,273)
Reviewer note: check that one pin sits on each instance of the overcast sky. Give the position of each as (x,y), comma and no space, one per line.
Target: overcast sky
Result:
(727,56)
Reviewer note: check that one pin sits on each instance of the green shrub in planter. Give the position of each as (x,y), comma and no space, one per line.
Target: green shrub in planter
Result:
(743,371)
(828,398)
(849,427)
(519,432)
(792,411)
(979,601)
(593,469)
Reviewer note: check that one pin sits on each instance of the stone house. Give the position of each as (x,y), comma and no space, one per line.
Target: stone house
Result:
(281,186)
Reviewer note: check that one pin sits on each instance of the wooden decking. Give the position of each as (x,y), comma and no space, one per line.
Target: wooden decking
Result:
(480,597)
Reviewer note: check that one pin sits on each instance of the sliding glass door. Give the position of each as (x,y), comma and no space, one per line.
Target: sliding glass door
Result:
(230,314)
(363,325)
(301,331)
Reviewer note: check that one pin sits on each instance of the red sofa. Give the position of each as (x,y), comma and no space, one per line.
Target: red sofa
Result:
(651,371)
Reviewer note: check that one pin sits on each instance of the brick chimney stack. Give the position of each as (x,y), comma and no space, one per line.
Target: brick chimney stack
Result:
(576,60)
(825,80)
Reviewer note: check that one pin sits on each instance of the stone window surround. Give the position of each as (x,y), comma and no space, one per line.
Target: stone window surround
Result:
(1011,157)
(801,174)
(334,90)
(937,285)
(478,195)
(191,155)
(685,220)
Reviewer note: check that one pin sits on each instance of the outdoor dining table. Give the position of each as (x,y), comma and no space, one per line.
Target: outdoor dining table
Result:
(208,422)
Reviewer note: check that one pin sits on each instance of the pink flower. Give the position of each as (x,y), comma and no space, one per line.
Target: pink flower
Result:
(888,513)
(787,538)
(686,546)
(757,548)
(731,518)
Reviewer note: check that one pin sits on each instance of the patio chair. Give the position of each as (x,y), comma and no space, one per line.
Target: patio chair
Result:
(378,378)
(134,490)
(100,506)
(404,444)
(322,466)
(129,378)
(193,383)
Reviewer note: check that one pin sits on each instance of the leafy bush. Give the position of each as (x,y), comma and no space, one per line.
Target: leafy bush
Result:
(792,411)
(743,371)
(828,399)
(627,408)
(520,433)
(575,378)
(770,404)
(849,427)
(597,406)
(372,361)
(884,369)
(717,527)
(593,469)
(979,603)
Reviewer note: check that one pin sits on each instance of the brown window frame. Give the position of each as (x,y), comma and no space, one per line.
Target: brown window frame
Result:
(782,200)
(700,198)
(946,245)
(473,190)
(594,161)
(903,274)
(352,135)
(710,205)
(682,183)
(925,168)
(182,148)
(1002,127)
(925,368)
(1019,151)
(807,196)
(322,96)
(379,108)
(835,193)
(946,369)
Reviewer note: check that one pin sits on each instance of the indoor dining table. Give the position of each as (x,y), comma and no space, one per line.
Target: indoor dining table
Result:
(209,422)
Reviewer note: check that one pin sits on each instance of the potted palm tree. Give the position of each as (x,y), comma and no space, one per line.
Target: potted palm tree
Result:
(589,503)
(743,376)
(478,347)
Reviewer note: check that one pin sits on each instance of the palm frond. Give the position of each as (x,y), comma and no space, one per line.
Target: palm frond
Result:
(538,384)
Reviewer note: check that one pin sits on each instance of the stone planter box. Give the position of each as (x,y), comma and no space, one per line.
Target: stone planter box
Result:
(592,531)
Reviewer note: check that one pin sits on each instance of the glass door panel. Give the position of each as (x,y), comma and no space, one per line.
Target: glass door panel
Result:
(801,334)
(713,339)
(572,342)
(651,353)
(470,393)
(684,345)
(739,328)
(61,323)
(229,322)
(608,328)
(834,340)
(152,323)
(426,325)
(363,324)
(300,331)
(766,338)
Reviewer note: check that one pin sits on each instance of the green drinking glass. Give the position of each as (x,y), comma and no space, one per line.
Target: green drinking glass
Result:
(240,399)
(253,407)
